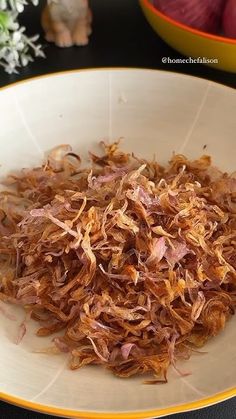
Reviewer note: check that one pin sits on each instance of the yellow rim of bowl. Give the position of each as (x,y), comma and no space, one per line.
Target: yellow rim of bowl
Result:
(187,28)
(50,410)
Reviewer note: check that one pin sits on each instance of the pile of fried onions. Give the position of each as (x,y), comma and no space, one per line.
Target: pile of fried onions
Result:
(134,263)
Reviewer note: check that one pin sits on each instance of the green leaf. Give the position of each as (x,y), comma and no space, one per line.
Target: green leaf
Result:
(4,19)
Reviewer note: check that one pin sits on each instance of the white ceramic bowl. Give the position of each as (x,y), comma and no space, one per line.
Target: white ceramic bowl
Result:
(156,112)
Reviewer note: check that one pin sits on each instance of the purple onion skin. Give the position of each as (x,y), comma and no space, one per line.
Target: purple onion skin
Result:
(204,15)
(229,19)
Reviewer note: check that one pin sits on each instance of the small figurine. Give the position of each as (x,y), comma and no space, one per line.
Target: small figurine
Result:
(67,22)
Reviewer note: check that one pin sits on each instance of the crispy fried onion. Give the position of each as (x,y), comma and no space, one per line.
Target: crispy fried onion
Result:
(134,262)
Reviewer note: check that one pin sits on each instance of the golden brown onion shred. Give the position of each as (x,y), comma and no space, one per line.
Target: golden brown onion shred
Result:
(134,262)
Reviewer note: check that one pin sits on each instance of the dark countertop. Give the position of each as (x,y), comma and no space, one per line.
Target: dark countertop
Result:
(121,38)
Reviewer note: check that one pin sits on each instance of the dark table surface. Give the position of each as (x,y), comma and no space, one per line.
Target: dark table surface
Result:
(121,38)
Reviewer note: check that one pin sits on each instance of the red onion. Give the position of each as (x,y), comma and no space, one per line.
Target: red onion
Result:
(229,19)
(126,349)
(158,250)
(204,15)
(180,250)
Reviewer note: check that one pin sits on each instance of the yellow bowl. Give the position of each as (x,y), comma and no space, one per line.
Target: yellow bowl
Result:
(192,42)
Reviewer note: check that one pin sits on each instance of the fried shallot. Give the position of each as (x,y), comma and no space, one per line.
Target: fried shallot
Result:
(134,263)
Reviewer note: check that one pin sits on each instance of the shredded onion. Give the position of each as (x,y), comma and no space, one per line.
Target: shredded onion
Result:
(229,19)
(133,263)
(199,14)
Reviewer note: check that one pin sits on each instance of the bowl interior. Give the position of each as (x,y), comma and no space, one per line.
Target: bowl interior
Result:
(156,113)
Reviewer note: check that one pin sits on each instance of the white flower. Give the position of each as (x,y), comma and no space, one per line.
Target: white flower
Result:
(3,38)
(11,68)
(16,5)
(12,56)
(25,59)
(3,52)
(16,37)
(3,4)
(20,46)
(16,48)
